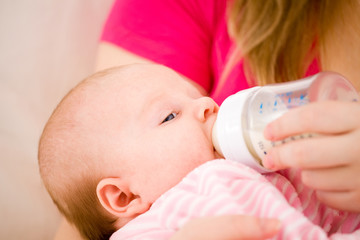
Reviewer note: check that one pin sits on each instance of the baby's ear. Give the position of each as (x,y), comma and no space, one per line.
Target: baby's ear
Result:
(115,196)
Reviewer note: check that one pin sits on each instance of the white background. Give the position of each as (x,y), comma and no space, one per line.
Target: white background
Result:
(46,46)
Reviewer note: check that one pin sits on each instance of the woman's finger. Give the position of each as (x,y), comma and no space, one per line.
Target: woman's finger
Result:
(328,117)
(228,227)
(315,153)
(338,179)
(346,201)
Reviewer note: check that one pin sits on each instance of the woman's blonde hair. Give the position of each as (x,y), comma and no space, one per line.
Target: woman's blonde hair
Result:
(279,39)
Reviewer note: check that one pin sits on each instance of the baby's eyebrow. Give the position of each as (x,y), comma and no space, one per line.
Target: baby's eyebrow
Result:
(151,102)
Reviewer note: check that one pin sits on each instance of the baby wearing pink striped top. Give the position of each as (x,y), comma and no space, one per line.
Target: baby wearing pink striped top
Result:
(127,154)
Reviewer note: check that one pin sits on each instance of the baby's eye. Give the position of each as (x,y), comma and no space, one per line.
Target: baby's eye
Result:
(171,116)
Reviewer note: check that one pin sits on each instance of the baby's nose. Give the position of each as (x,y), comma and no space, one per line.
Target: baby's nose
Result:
(205,107)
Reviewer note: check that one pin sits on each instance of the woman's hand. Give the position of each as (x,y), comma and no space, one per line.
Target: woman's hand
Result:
(331,161)
(228,227)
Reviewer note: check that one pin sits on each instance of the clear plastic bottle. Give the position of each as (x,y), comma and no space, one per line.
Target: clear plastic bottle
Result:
(242,117)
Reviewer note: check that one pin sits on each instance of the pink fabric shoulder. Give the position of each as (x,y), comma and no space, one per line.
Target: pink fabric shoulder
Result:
(176,33)
(189,36)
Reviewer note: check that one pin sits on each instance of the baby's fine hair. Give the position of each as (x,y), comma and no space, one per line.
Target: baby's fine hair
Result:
(67,165)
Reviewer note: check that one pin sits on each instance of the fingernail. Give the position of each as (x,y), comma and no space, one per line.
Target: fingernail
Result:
(270,226)
(268,132)
(268,162)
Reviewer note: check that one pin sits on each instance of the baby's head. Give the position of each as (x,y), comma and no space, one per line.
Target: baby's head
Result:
(119,140)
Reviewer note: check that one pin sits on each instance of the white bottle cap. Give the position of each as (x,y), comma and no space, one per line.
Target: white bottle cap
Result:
(227,134)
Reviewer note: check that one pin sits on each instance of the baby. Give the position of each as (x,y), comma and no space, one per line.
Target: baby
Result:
(128,154)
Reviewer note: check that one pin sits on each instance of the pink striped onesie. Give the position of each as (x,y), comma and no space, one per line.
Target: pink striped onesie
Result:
(221,187)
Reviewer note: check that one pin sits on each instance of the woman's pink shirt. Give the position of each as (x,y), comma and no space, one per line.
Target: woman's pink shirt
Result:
(189,36)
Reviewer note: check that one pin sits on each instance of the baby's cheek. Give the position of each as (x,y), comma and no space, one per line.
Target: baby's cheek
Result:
(162,179)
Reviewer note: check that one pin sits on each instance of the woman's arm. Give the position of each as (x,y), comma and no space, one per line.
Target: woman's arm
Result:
(110,55)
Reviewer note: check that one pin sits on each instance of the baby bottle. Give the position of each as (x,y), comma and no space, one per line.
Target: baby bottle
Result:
(242,117)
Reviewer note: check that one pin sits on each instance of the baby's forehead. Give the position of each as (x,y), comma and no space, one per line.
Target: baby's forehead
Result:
(124,85)
(143,78)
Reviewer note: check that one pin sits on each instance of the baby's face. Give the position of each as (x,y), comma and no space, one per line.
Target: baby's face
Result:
(158,128)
